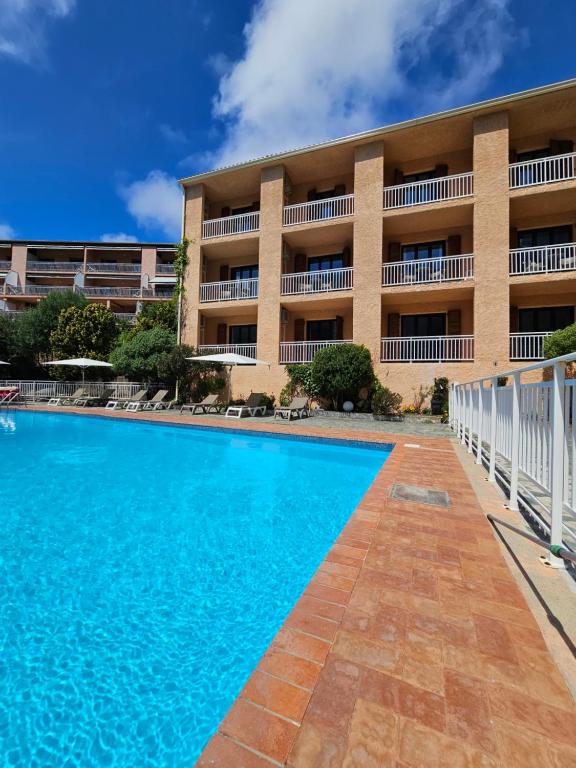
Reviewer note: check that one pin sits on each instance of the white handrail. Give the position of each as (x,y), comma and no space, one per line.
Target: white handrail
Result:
(546,170)
(248,350)
(546,258)
(304,351)
(429,191)
(435,270)
(116,267)
(31,389)
(231,225)
(229,290)
(528,346)
(319,210)
(319,281)
(410,349)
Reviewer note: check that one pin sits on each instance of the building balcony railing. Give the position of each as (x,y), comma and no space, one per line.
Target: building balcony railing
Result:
(528,346)
(322,281)
(165,269)
(247,350)
(427,349)
(547,258)
(319,210)
(544,171)
(231,225)
(229,290)
(54,266)
(119,266)
(37,290)
(429,191)
(5,266)
(304,351)
(442,270)
(133,293)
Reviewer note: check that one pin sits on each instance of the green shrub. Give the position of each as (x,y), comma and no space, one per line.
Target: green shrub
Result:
(561,342)
(299,384)
(340,371)
(140,357)
(385,402)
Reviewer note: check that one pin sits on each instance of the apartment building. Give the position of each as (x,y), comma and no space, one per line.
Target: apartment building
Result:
(444,244)
(123,276)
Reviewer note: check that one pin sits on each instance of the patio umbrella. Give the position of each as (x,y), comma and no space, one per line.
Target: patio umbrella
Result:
(3,363)
(81,362)
(228,358)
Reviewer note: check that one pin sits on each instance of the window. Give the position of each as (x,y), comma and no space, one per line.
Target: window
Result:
(332,261)
(423,325)
(244,273)
(418,251)
(242,209)
(542,319)
(533,154)
(537,238)
(410,178)
(242,334)
(320,330)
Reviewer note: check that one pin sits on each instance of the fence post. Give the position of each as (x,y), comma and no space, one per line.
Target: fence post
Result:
(557,469)
(470,417)
(493,422)
(513,503)
(480,414)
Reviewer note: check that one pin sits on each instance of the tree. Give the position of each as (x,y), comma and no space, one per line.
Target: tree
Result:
(160,314)
(561,342)
(140,357)
(195,380)
(88,332)
(340,371)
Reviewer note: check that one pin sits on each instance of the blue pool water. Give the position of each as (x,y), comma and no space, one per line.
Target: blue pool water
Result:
(144,569)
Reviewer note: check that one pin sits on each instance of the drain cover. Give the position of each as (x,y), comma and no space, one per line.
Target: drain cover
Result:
(420,495)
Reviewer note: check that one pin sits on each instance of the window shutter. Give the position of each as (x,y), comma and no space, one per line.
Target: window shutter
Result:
(393,324)
(339,328)
(311,195)
(512,156)
(513,237)
(300,262)
(441,170)
(221,333)
(394,252)
(224,273)
(225,211)
(299,325)
(513,319)
(339,190)
(454,245)
(454,322)
(398,176)
(256,205)
(346,260)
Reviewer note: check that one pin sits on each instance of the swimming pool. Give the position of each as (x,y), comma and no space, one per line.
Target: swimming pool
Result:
(144,569)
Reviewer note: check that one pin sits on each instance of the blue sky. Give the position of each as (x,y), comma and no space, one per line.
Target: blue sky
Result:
(105,103)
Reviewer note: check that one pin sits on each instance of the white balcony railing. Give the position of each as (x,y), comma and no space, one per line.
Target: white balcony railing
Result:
(129,317)
(319,210)
(544,171)
(429,191)
(304,351)
(548,258)
(229,290)
(5,266)
(231,225)
(54,266)
(248,350)
(118,266)
(441,270)
(528,346)
(39,290)
(133,293)
(165,269)
(321,281)
(427,349)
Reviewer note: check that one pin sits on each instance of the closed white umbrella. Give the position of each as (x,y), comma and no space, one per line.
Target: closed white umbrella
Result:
(3,363)
(228,358)
(81,362)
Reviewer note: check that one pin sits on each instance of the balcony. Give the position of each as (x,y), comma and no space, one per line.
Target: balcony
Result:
(128,317)
(231,225)
(55,266)
(116,267)
(304,351)
(420,271)
(320,281)
(5,266)
(427,349)
(229,290)
(38,290)
(319,210)
(528,346)
(132,293)
(429,191)
(247,350)
(165,269)
(546,170)
(547,258)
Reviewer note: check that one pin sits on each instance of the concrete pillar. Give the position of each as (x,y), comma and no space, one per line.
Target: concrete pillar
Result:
(270,263)
(367,255)
(193,218)
(148,262)
(19,259)
(491,242)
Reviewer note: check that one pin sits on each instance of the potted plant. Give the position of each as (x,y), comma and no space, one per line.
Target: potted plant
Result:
(439,400)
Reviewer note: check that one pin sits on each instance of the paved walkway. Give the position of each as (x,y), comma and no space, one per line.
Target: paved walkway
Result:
(411,647)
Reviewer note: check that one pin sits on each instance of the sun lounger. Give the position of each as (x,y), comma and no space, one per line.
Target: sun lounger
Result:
(209,404)
(155,404)
(298,409)
(9,395)
(67,399)
(82,402)
(122,402)
(252,407)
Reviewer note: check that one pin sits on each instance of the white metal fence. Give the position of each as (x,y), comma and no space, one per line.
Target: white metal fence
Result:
(304,351)
(248,350)
(527,346)
(54,266)
(44,390)
(442,270)
(427,349)
(429,191)
(317,282)
(543,171)
(229,290)
(231,225)
(117,266)
(318,210)
(525,435)
(548,258)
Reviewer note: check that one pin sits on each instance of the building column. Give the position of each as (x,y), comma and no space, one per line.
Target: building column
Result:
(194,201)
(270,263)
(491,243)
(19,260)
(148,265)
(367,256)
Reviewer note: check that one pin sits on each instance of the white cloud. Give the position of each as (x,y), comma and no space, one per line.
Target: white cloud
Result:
(117,237)
(23,26)
(156,203)
(7,232)
(318,69)
(173,135)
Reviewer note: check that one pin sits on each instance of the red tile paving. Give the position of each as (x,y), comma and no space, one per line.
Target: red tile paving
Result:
(411,647)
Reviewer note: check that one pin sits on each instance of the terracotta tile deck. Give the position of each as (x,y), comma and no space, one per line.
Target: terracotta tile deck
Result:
(411,647)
